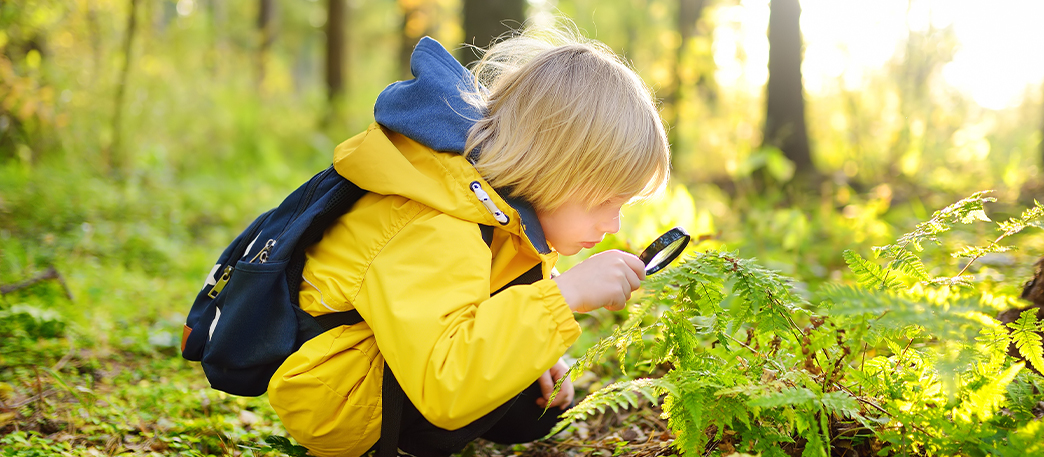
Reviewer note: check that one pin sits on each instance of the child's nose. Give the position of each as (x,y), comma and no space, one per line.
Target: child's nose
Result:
(611,225)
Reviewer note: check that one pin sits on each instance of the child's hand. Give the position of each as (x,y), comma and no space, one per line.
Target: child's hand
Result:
(606,279)
(547,381)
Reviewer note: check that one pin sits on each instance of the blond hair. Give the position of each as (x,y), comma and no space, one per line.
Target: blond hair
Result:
(565,118)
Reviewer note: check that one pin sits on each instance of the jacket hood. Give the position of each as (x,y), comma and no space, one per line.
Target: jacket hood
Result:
(429,109)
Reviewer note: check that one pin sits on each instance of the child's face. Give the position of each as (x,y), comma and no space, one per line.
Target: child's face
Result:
(573,226)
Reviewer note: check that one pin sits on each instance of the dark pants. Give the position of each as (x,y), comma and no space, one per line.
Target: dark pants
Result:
(519,420)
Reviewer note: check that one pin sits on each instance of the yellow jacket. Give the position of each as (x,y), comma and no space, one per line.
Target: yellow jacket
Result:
(410,258)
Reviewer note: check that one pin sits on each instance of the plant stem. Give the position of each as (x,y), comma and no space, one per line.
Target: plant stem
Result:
(973,259)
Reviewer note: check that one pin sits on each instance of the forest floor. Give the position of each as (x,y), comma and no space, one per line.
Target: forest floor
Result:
(56,399)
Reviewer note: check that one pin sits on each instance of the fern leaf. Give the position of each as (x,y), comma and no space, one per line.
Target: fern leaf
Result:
(955,281)
(615,396)
(1027,340)
(994,341)
(840,403)
(955,320)
(869,274)
(986,400)
(1033,217)
(910,264)
(964,211)
(791,396)
(975,252)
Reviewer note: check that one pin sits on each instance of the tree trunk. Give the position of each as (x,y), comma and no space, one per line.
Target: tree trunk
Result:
(689,12)
(114,155)
(335,50)
(216,54)
(485,20)
(785,103)
(266,28)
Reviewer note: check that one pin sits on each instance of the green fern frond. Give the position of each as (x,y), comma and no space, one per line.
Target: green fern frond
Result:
(993,341)
(953,281)
(958,320)
(975,252)
(616,396)
(869,274)
(840,403)
(910,264)
(790,396)
(904,261)
(1027,340)
(621,337)
(984,402)
(964,211)
(1033,217)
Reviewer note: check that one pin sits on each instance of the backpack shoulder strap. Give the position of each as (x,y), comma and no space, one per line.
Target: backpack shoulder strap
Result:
(487,234)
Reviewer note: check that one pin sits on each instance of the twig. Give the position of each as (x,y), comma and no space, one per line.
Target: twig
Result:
(862,361)
(574,444)
(65,359)
(17,405)
(870,403)
(50,273)
(902,355)
(973,259)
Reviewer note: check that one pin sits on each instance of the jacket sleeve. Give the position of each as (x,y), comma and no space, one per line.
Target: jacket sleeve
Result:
(457,352)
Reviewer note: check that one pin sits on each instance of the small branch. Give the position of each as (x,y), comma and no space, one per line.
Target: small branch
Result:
(882,410)
(50,273)
(973,259)
(862,361)
(902,355)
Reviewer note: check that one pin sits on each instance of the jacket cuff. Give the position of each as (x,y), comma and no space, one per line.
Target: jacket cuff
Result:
(560,312)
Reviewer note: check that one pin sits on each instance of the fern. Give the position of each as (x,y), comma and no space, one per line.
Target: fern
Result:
(869,274)
(791,396)
(986,400)
(904,261)
(1033,217)
(965,211)
(840,403)
(921,366)
(994,342)
(1027,340)
(957,320)
(616,396)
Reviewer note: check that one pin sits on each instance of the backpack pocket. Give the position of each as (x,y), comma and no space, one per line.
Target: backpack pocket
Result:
(251,334)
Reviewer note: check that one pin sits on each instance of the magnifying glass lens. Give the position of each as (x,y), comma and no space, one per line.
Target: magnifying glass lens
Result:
(664,250)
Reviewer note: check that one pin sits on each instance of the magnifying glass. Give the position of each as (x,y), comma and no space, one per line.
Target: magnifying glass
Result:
(664,250)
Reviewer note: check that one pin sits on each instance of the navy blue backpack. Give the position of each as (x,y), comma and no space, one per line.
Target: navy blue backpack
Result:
(246,321)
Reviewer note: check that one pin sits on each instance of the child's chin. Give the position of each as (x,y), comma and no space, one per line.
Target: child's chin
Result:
(571,251)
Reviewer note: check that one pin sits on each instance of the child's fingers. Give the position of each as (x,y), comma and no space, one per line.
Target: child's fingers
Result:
(565,395)
(546,387)
(636,265)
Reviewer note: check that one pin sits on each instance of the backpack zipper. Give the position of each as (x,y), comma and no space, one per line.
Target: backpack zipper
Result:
(220,284)
(262,255)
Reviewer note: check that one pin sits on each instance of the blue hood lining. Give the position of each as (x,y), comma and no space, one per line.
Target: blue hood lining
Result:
(430,110)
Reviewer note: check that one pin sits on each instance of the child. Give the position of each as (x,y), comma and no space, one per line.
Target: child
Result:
(545,142)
